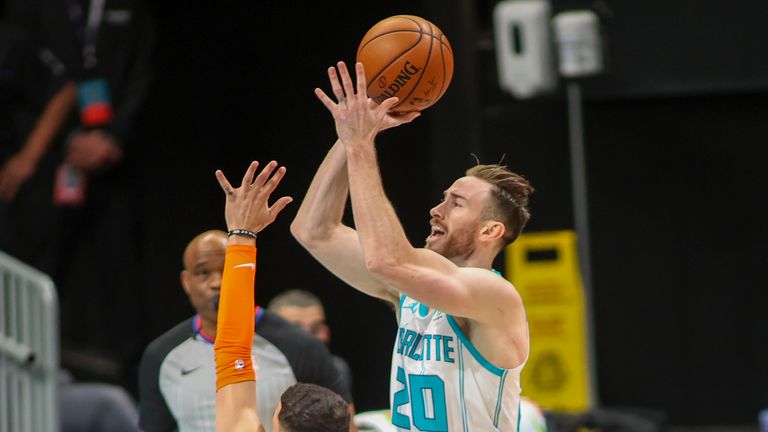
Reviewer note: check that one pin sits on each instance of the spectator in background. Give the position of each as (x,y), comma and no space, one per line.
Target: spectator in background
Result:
(95,407)
(35,101)
(177,375)
(77,224)
(30,89)
(306,311)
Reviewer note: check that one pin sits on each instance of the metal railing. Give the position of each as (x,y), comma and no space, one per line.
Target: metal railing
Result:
(29,349)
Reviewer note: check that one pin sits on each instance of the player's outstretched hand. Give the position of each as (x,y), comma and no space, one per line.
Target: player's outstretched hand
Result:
(247,207)
(356,115)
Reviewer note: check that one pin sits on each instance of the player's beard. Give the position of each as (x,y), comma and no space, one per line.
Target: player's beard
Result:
(457,243)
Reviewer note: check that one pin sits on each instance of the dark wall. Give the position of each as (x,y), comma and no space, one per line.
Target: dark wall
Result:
(675,176)
(674,142)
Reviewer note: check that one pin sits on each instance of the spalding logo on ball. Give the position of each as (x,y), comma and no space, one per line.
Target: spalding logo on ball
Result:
(408,57)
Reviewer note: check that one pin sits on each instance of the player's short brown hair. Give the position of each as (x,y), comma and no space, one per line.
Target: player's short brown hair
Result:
(510,198)
(311,408)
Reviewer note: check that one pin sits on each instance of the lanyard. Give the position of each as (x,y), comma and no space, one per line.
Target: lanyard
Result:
(89,32)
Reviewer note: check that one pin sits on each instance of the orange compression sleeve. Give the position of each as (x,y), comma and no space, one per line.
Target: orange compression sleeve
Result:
(234,329)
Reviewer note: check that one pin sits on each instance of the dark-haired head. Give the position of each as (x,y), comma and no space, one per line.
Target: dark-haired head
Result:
(311,408)
(509,203)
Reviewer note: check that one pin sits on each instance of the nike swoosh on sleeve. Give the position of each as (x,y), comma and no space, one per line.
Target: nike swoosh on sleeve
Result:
(250,265)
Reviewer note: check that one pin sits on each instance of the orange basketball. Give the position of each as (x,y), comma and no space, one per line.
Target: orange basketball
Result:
(408,57)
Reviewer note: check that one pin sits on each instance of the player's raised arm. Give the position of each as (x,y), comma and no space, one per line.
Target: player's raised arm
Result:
(318,224)
(247,212)
(445,281)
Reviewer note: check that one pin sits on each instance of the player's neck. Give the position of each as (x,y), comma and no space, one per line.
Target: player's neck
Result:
(478,258)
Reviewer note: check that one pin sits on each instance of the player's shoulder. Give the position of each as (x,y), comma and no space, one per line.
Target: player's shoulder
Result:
(486,276)
(493,282)
(161,346)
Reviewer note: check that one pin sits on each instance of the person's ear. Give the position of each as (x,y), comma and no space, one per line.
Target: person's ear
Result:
(492,231)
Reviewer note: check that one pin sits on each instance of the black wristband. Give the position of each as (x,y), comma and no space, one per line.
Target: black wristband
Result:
(243,232)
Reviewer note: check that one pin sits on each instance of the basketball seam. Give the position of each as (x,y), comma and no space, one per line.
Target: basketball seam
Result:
(442,82)
(398,31)
(421,35)
(420,31)
(424,68)
(430,25)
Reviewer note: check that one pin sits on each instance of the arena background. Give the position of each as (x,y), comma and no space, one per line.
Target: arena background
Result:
(674,133)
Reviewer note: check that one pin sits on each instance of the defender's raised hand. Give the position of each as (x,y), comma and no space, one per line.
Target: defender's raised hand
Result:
(247,207)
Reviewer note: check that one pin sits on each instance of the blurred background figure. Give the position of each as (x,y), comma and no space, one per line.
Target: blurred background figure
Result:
(306,311)
(177,375)
(34,103)
(84,195)
(95,407)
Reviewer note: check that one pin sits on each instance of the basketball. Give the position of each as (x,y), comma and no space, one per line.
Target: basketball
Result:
(408,57)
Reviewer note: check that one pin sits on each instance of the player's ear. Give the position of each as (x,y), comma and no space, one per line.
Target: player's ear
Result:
(184,279)
(492,230)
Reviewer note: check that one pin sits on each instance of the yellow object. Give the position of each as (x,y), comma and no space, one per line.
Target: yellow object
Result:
(545,270)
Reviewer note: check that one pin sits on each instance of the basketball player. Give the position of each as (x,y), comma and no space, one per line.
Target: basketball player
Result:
(304,407)
(463,335)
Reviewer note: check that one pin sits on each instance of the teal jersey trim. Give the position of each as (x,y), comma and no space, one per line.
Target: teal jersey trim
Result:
(475,353)
(461,388)
(498,400)
(519,411)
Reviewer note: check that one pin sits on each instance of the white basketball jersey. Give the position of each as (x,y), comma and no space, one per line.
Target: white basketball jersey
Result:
(441,383)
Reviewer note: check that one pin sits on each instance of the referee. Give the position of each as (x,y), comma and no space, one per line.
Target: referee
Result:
(177,373)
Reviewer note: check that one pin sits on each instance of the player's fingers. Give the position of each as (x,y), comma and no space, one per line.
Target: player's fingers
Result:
(388,104)
(362,92)
(248,176)
(330,104)
(274,181)
(407,117)
(224,183)
(279,205)
(346,80)
(338,91)
(264,174)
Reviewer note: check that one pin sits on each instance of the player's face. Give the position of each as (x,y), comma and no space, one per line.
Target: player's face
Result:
(311,319)
(455,222)
(202,277)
